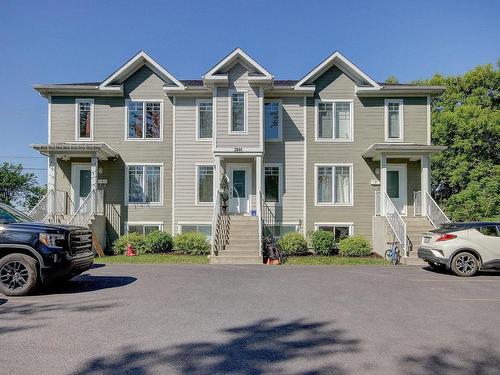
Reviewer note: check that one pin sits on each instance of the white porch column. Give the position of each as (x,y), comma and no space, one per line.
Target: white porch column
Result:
(51,184)
(258,182)
(93,180)
(383,183)
(425,181)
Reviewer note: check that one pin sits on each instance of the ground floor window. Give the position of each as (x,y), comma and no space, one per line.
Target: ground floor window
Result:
(339,230)
(206,229)
(143,228)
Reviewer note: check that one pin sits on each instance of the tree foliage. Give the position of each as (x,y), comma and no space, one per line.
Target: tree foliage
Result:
(391,79)
(18,187)
(466,119)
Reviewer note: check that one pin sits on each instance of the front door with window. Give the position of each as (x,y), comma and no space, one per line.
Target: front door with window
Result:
(396,186)
(240,179)
(80,183)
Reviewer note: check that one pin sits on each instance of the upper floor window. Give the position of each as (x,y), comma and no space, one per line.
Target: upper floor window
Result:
(272,181)
(204,119)
(272,121)
(205,183)
(393,119)
(238,112)
(334,184)
(334,120)
(144,119)
(144,184)
(84,119)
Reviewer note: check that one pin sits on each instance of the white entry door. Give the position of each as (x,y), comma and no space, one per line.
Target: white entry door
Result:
(80,183)
(396,186)
(240,182)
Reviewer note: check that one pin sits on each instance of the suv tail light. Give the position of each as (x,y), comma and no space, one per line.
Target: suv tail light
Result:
(446,237)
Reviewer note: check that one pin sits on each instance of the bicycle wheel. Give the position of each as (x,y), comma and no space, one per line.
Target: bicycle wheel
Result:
(388,255)
(395,257)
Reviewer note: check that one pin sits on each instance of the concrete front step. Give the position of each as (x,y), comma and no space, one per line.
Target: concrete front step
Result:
(242,253)
(222,259)
(249,246)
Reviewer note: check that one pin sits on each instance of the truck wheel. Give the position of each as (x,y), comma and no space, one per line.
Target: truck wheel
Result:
(464,264)
(18,275)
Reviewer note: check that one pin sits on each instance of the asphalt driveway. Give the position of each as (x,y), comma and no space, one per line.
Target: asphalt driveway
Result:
(200,319)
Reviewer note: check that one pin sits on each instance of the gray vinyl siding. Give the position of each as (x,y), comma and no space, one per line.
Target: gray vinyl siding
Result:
(109,127)
(238,80)
(290,154)
(188,153)
(369,122)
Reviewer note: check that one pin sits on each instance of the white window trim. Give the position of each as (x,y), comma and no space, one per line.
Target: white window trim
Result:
(351,182)
(386,120)
(144,204)
(280,123)
(77,119)
(132,223)
(198,102)
(144,139)
(181,223)
(280,187)
(230,118)
(197,202)
(336,224)
(316,121)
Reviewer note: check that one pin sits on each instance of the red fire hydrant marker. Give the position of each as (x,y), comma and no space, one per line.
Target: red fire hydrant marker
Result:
(130,251)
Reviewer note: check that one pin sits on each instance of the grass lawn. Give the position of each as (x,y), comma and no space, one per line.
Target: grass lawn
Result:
(154,259)
(202,259)
(335,261)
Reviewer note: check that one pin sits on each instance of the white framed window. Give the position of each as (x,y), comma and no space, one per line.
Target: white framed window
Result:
(280,229)
(144,120)
(84,119)
(144,184)
(237,112)
(204,113)
(273,181)
(204,184)
(339,230)
(334,120)
(142,227)
(205,228)
(273,122)
(333,184)
(393,120)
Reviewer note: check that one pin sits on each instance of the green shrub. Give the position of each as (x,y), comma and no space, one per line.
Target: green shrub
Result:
(355,246)
(135,239)
(293,243)
(191,243)
(159,242)
(323,242)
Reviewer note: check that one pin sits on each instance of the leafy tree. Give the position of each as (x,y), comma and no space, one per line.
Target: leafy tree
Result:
(17,186)
(391,79)
(466,119)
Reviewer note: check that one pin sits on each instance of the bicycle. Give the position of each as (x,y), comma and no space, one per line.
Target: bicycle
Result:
(392,255)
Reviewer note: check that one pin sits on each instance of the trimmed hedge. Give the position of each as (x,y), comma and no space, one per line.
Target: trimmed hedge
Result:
(355,246)
(293,243)
(191,243)
(138,242)
(323,242)
(159,242)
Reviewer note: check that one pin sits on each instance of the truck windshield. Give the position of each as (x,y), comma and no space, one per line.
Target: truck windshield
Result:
(10,215)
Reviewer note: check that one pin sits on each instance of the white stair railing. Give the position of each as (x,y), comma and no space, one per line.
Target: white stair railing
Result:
(41,210)
(434,212)
(83,214)
(385,207)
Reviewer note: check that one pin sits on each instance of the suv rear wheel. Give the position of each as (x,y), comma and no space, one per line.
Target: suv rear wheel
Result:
(464,264)
(18,275)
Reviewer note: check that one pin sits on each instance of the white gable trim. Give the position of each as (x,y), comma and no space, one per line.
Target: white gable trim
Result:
(329,61)
(123,71)
(238,52)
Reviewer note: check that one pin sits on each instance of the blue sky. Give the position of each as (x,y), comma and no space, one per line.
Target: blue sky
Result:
(77,41)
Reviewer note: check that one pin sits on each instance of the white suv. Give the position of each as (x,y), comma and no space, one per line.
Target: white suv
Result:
(465,248)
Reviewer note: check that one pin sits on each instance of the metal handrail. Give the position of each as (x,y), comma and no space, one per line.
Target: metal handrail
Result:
(395,220)
(40,211)
(85,211)
(268,218)
(434,212)
(220,227)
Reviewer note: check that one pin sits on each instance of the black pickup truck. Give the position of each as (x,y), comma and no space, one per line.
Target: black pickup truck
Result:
(33,254)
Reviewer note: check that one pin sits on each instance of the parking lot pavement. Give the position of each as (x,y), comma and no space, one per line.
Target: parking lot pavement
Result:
(200,319)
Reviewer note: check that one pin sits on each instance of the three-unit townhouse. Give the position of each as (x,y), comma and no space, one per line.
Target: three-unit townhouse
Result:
(335,150)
